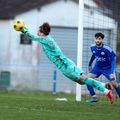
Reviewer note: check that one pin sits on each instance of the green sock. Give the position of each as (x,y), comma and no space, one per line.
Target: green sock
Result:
(94,83)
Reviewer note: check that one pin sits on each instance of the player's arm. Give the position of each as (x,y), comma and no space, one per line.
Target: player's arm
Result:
(112,56)
(91,61)
(19,25)
(113,61)
(33,36)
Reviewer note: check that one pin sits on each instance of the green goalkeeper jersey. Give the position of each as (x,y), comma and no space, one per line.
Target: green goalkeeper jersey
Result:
(54,53)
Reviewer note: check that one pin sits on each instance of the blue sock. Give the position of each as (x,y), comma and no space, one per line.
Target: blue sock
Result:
(94,83)
(91,90)
(117,88)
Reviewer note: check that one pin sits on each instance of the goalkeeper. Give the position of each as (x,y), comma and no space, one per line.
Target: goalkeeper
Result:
(64,64)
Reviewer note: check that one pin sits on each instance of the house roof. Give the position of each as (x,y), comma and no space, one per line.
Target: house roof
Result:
(11,8)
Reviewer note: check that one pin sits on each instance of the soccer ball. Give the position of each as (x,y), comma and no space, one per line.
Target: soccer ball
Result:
(18,25)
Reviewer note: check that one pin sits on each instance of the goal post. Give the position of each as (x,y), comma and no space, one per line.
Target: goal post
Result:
(80,46)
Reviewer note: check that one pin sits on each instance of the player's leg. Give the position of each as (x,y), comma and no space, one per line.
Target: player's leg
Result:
(91,90)
(116,86)
(98,85)
(112,80)
(74,73)
(108,86)
(94,73)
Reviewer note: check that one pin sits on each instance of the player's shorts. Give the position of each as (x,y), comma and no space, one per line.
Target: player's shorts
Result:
(70,70)
(106,72)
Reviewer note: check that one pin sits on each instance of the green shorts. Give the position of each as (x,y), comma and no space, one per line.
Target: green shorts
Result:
(71,71)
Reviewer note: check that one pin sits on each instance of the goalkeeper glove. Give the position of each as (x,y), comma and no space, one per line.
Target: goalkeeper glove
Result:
(24,30)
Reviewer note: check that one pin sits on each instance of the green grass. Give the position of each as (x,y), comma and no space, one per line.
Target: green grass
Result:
(43,106)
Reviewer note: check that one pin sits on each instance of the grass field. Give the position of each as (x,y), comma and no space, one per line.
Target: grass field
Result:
(43,106)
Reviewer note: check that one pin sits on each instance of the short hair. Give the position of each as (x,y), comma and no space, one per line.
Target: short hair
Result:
(45,28)
(99,34)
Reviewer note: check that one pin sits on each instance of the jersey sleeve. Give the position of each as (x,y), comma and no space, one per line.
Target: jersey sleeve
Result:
(112,56)
(91,59)
(34,37)
(113,65)
(113,61)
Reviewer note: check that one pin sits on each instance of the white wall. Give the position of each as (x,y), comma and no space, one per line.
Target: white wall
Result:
(5,40)
(59,13)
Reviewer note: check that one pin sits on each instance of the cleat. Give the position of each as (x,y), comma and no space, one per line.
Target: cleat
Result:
(110,96)
(92,100)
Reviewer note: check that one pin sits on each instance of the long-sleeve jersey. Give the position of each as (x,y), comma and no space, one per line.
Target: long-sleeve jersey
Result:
(54,53)
(50,48)
(104,56)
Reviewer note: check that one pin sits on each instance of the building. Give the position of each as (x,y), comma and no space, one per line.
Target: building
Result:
(28,66)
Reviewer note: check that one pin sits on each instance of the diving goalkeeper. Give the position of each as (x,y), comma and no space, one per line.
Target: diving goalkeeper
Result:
(64,64)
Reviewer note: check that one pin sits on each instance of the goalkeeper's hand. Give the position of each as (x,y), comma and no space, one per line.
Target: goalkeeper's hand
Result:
(24,30)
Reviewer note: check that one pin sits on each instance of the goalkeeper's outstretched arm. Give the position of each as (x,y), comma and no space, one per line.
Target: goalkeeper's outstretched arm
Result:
(33,36)
(20,26)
